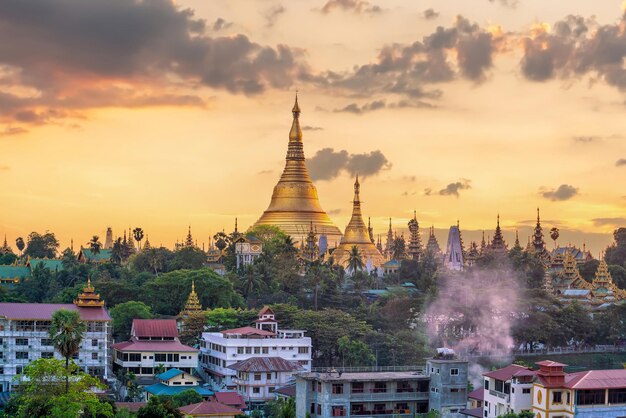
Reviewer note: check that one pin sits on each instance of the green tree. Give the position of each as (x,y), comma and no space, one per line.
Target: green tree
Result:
(41,246)
(186,397)
(7,259)
(66,332)
(117,251)
(355,261)
(41,392)
(219,319)
(123,315)
(191,258)
(94,244)
(616,253)
(354,353)
(159,408)
(192,327)
(138,235)
(524,414)
(19,243)
(282,408)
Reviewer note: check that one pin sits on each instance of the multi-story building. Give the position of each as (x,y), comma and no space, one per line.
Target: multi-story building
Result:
(588,394)
(441,386)
(507,390)
(24,335)
(174,381)
(220,350)
(258,377)
(154,342)
(247,248)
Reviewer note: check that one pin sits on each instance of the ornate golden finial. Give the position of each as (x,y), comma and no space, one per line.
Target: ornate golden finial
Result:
(296,109)
(88,298)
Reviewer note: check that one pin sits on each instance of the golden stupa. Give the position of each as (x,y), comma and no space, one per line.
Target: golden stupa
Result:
(294,206)
(357,233)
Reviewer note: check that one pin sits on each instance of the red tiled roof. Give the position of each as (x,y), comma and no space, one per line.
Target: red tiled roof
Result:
(478,394)
(44,311)
(266,310)
(474,412)
(155,328)
(550,363)
(157,346)
(207,408)
(508,372)
(597,379)
(233,399)
(266,364)
(249,331)
(131,406)
(287,391)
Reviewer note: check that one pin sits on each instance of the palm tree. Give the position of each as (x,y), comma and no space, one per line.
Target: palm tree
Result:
(66,332)
(138,235)
(355,261)
(95,245)
(20,244)
(285,408)
(117,252)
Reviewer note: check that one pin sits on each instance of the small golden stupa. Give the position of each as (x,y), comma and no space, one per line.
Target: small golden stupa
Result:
(295,206)
(193,306)
(357,234)
(89,298)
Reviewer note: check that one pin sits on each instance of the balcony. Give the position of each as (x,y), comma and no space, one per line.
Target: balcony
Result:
(391,396)
(500,395)
(387,413)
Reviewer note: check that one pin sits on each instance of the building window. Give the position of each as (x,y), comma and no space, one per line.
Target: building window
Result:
(557,397)
(454,372)
(172,357)
(21,355)
(19,369)
(134,356)
(303,350)
(257,376)
(616,395)
(46,341)
(248,350)
(160,357)
(257,350)
(94,342)
(338,411)
(266,350)
(568,398)
(357,387)
(268,376)
(380,387)
(21,341)
(256,390)
(454,390)
(239,350)
(312,408)
(1,369)
(94,356)
(47,354)
(526,390)
(590,397)
(337,388)
(486,384)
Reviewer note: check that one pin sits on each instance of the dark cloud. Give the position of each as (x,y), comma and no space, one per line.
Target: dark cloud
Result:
(382,104)
(609,221)
(430,14)
(574,48)
(220,24)
(76,54)
(272,14)
(412,70)
(453,189)
(327,163)
(620,162)
(563,192)
(586,139)
(312,128)
(262,172)
(355,6)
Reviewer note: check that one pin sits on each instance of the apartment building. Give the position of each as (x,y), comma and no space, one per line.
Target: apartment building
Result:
(508,389)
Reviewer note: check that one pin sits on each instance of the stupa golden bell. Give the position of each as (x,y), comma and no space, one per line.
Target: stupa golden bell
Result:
(357,234)
(295,206)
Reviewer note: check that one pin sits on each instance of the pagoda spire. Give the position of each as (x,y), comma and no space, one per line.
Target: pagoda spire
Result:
(88,298)
(498,244)
(189,239)
(193,305)
(146,245)
(415,241)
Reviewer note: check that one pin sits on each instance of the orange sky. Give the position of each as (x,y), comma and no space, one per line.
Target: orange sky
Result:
(160,130)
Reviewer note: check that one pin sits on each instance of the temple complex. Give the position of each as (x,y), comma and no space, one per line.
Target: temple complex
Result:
(432,246)
(295,205)
(357,234)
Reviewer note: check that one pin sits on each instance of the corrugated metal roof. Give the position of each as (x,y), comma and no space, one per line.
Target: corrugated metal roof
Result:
(209,408)
(266,364)
(155,328)
(249,331)
(161,389)
(43,311)
(169,374)
(154,346)
(230,398)
(507,372)
(598,379)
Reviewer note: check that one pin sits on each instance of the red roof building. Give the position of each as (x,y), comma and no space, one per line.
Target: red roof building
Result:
(505,390)
(209,409)
(233,399)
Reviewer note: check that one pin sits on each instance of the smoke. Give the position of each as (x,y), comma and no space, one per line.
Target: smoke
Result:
(474,312)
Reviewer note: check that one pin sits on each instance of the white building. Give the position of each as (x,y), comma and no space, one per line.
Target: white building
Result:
(24,336)
(509,389)
(247,248)
(258,377)
(154,342)
(220,350)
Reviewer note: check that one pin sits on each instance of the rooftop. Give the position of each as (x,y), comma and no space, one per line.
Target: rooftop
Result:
(169,374)
(478,394)
(266,364)
(508,372)
(156,346)
(597,379)
(363,376)
(289,390)
(233,399)
(44,311)
(247,331)
(209,408)
(155,328)
(161,389)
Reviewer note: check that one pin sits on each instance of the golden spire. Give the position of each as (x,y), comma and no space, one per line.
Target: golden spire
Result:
(294,201)
(88,298)
(192,306)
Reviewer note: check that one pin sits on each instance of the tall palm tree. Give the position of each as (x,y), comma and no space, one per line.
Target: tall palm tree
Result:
(138,235)
(355,261)
(66,332)
(95,245)
(20,244)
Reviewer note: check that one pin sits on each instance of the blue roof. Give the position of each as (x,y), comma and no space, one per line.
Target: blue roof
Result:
(161,389)
(169,374)
(576,292)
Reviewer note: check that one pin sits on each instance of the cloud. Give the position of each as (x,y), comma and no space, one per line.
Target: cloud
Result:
(430,14)
(76,55)
(262,172)
(272,14)
(620,162)
(354,6)
(563,192)
(609,221)
(327,163)
(586,139)
(12,130)
(220,24)
(576,47)
(382,104)
(507,3)
(334,212)
(453,189)
(4,168)
(312,128)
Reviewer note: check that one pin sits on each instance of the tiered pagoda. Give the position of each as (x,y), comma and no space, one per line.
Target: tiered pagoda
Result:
(356,234)
(415,240)
(88,298)
(192,306)
(605,290)
(389,243)
(5,249)
(294,203)
(569,277)
(498,244)
(432,246)
(538,243)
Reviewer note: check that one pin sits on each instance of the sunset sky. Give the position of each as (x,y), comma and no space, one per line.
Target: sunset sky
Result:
(167,114)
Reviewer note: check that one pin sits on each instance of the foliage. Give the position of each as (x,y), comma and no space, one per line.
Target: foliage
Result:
(192,327)
(227,318)
(158,407)
(616,253)
(7,259)
(282,408)
(354,353)
(186,397)
(94,244)
(42,392)
(123,315)
(355,261)
(523,414)
(19,243)
(41,246)
(66,332)
(191,258)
